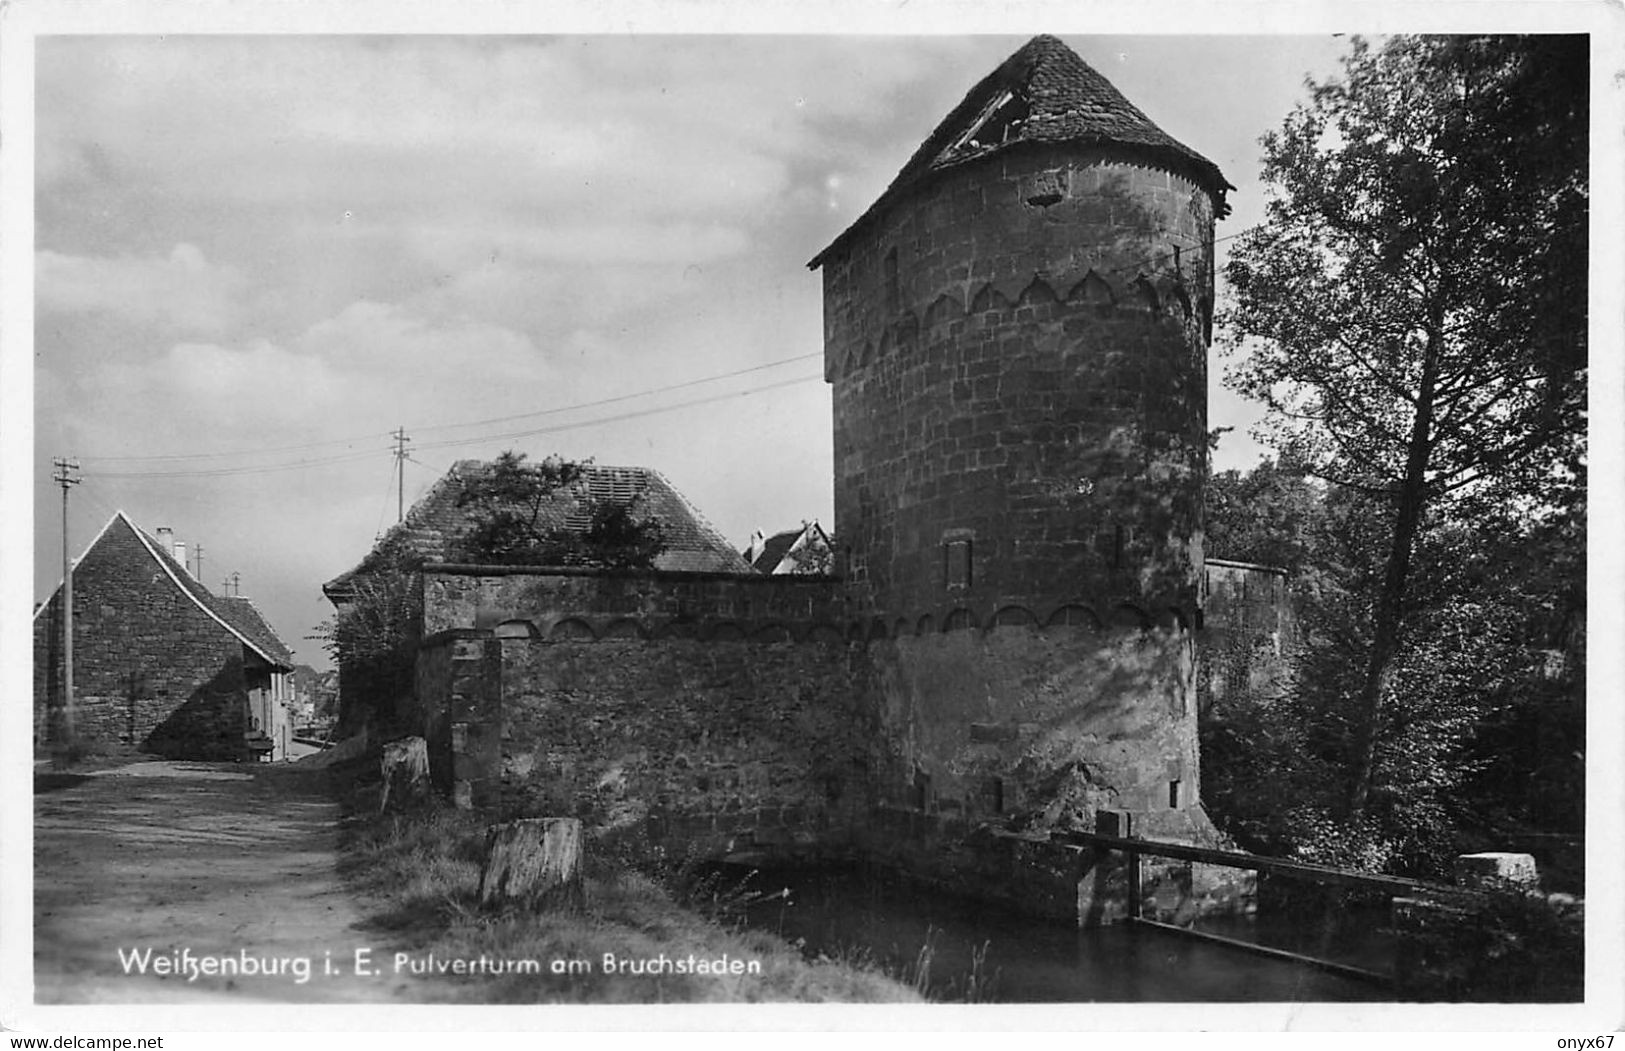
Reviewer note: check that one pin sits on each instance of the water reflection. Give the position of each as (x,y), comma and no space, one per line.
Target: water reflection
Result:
(971,950)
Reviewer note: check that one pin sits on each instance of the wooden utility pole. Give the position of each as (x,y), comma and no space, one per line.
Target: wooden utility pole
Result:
(401,439)
(64,477)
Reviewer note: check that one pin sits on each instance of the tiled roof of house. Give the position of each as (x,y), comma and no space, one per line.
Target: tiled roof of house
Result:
(239,615)
(1054,96)
(774,548)
(248,620)
(436,522)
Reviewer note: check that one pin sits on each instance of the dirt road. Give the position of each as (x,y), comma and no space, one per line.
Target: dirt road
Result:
(212,873)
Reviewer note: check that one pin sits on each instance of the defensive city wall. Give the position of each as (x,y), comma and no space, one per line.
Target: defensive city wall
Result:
(748,719)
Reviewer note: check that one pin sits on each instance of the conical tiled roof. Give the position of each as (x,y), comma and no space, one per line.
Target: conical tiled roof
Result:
(1043,93)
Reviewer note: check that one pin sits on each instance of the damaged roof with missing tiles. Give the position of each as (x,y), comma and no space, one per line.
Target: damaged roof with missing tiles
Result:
(1043,93)
(436,523)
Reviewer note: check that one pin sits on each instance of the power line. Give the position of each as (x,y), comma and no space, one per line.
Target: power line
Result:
(627,397)
(228,471)
(399,436)
(383,507)
(239,452)
(637,414)
(438,427)
(474,440)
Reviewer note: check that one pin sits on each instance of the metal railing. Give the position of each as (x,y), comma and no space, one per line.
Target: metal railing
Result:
(1137,849)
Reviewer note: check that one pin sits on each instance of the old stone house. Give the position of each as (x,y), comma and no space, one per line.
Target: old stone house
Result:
(160,663)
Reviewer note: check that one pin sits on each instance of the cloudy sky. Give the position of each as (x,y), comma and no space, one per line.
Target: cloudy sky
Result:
(257,256)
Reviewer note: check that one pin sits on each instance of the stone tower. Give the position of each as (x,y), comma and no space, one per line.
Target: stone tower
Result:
(1016,336)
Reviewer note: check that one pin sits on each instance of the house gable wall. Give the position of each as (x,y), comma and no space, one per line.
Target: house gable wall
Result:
(150,668)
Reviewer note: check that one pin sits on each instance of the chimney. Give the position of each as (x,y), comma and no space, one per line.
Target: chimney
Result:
(166,538)
(180,554)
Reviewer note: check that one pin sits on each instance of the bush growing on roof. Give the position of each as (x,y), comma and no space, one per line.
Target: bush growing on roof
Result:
(516,519)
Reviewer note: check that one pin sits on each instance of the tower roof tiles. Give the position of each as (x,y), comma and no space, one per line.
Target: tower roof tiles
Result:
(1043,93)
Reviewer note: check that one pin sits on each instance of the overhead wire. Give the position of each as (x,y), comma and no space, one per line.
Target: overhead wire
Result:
(625,397)
(351,457)
(229,471)
(437,427)
(617,418)
(383,505)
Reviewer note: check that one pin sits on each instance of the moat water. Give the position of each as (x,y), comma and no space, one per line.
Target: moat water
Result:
(974,951)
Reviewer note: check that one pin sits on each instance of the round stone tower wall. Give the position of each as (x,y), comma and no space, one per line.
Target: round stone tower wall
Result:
(1018,355)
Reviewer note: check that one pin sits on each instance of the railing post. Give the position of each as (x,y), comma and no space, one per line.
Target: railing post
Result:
(1133,885)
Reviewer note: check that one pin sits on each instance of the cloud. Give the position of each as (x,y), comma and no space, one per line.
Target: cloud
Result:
(182,290)
(579,243)
(540,185)
(371,366)
(699,129)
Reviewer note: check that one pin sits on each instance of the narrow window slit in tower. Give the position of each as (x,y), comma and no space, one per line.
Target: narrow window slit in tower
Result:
(957,563)
(1173,795)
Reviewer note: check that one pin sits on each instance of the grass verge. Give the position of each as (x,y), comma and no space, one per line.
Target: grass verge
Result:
(420,873)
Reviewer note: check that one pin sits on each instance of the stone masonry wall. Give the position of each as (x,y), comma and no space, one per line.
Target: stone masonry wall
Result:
(595,603)
(725,747)
(151,669)
(1025,728)
(917,749)
(713,712)
(1247,635)
(457,708)
(1017,351)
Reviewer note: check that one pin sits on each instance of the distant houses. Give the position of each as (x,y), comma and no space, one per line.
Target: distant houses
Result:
(806,549)
(160,663)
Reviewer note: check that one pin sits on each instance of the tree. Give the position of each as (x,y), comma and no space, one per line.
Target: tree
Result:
(1268,516)
(1412,309)
(373,637)
(1479,736)
(518,519)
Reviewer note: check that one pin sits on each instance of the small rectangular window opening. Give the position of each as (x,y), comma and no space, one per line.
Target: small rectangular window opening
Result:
(957,563)
(995,794)
(1173,795)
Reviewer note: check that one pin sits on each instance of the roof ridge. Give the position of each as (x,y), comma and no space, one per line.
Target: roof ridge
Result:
(204,599)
